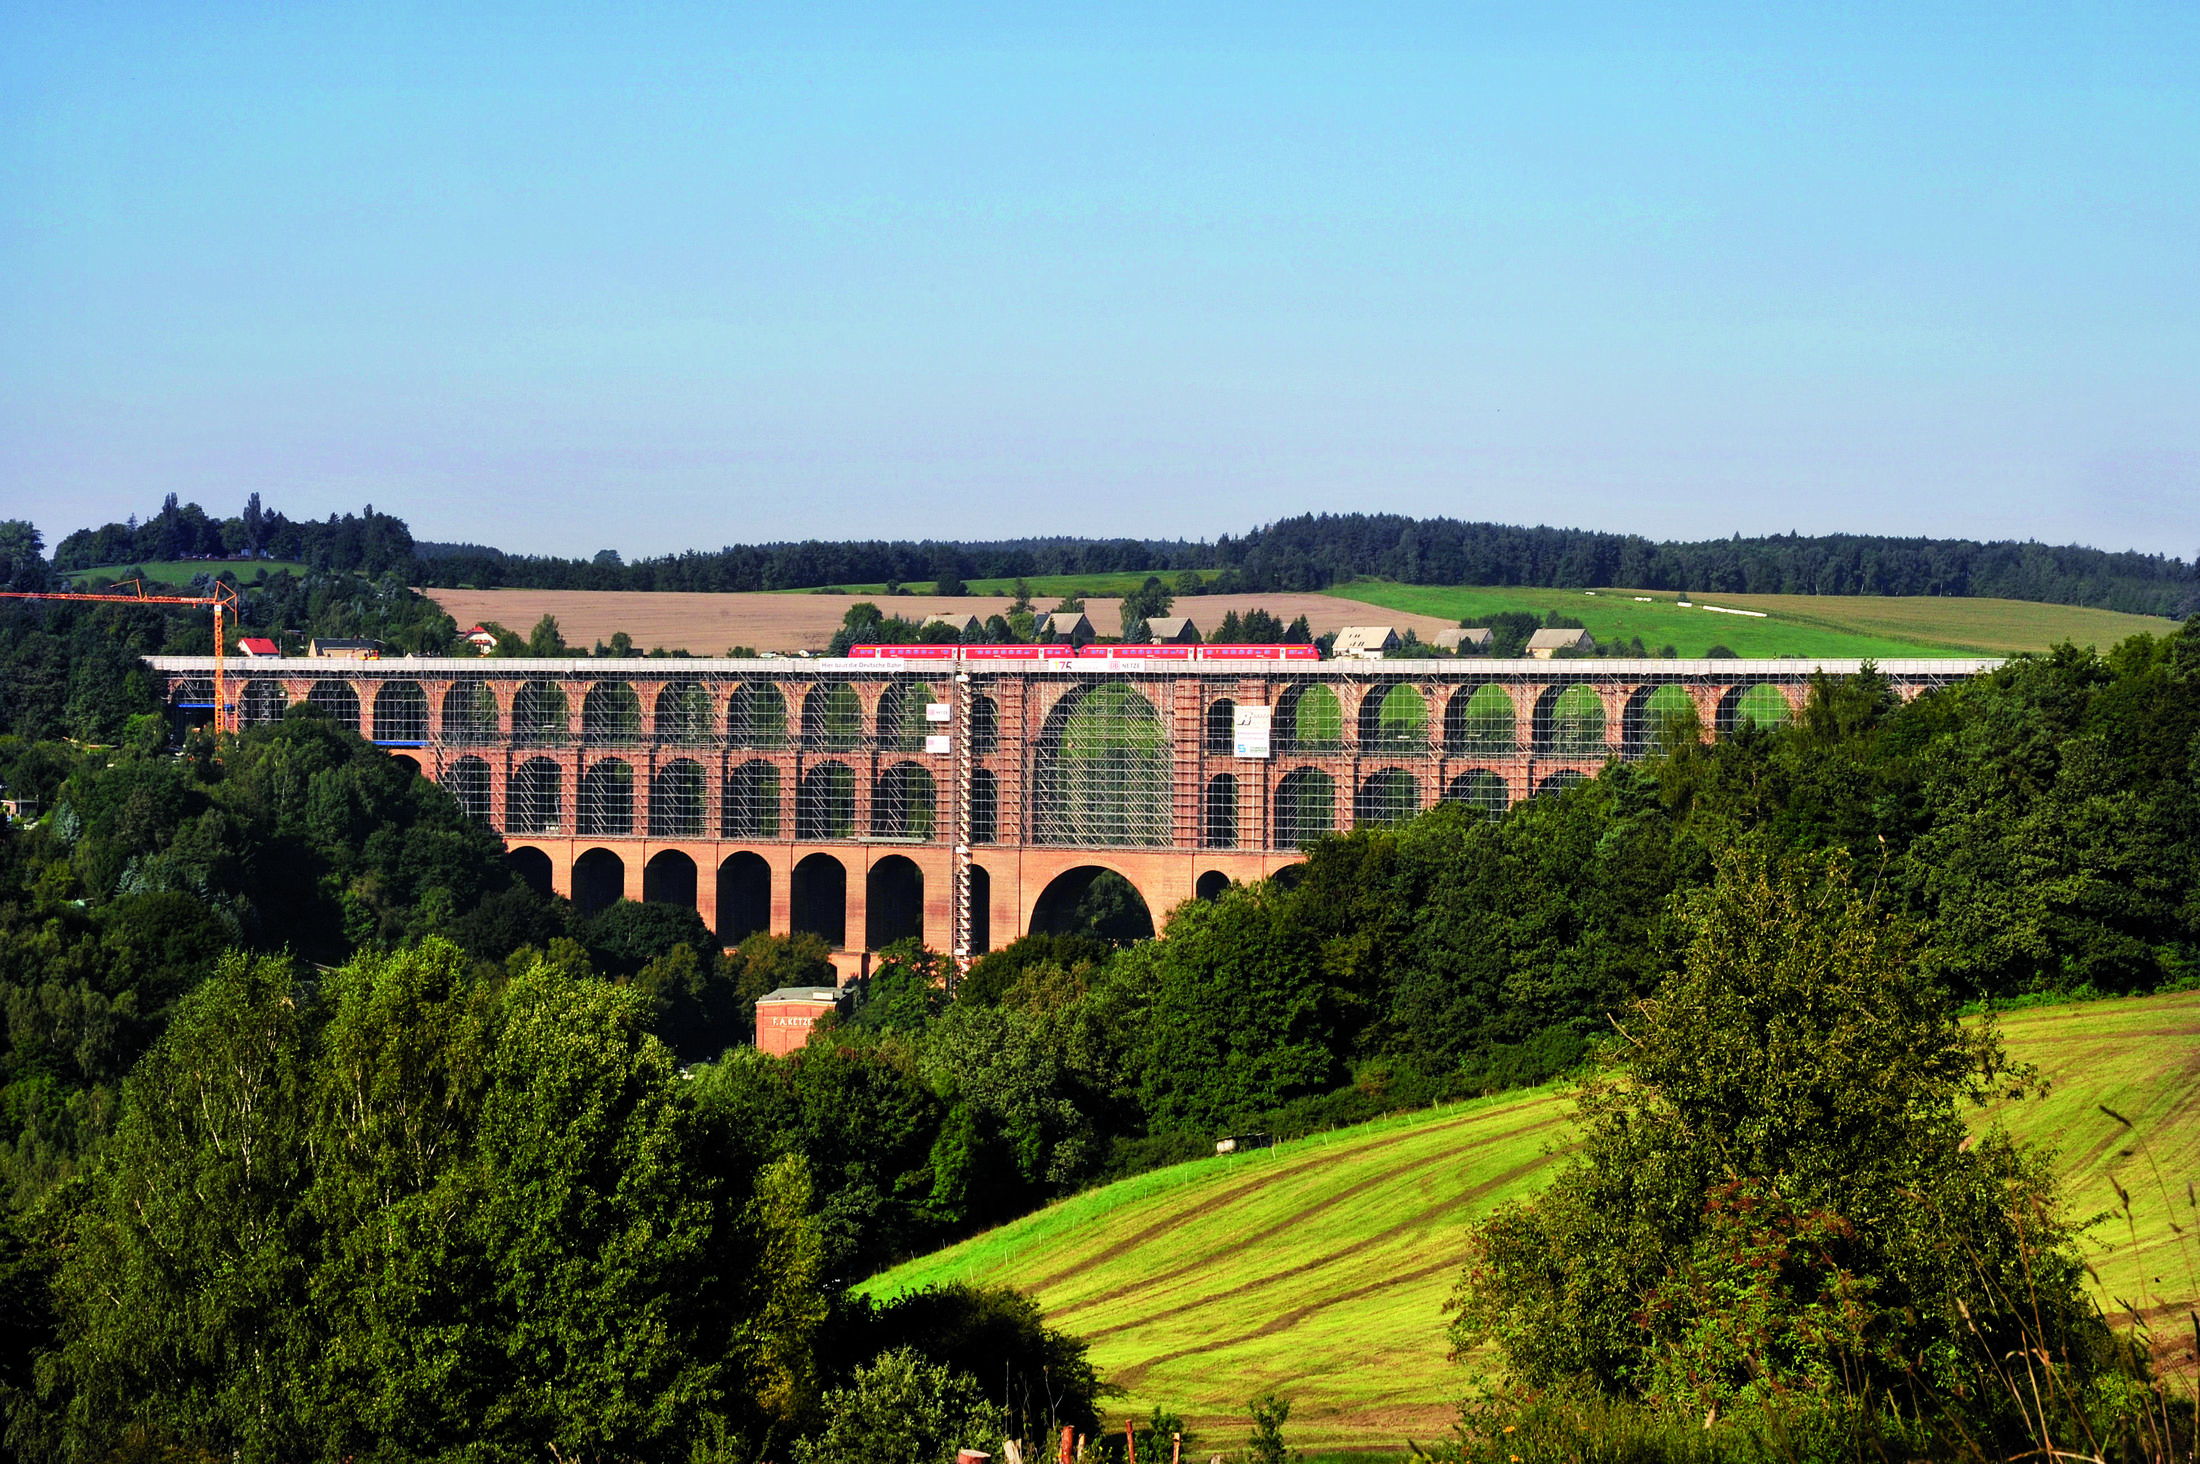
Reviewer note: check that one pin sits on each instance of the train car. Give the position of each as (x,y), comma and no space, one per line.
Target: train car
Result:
(1257,653)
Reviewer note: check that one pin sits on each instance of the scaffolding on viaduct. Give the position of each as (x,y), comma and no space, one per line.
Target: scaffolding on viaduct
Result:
(963,801)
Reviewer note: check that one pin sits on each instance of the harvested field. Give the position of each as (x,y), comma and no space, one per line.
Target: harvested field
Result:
(709,625)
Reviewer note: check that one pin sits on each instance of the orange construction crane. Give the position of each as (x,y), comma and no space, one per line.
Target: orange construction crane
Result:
(223,598)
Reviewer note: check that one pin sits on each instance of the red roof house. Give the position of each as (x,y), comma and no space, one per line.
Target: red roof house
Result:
(256,645)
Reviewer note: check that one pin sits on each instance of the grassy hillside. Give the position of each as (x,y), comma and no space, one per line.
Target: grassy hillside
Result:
(1321,1267)
(180,571)
(1793,625)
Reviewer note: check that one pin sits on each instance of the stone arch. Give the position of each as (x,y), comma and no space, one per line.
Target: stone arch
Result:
(540,715)
(1220,728)
(1480,788)
(1209,886)
(1306,807)
(825,803)
(611,715)
(1393,718)
(669,879)
(1309,718)
(467,780)
(1569,721)
(819,901)
(749,803)
(901,724)
(606,804)
(532,866)
(1104,771)
(193,692)
(534,798)
(1560,781)
(261,702)
(1650,711)
(599,879)
(409,764)
(1763,703)
(683,717)
(904,804)
(469,714)
(744,897)
(985,807)
(756,716)
(1218,813)
(893,902)
(1096,898)
(1389,796)
(339,700)
(677,793)
(832,717)
(401,713)
(1481,719)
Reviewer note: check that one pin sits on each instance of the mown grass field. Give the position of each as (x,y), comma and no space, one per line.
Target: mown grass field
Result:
(1320,1267)
(180,571)
(1794,625)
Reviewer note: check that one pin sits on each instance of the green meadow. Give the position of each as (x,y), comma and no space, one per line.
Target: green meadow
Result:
(179,572)
(1884,627)
(1320,1267)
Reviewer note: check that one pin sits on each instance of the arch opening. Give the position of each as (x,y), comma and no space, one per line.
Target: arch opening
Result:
(1655,717)
(985,724)
(337,699)
(1218,823)
(981,910)
(744,897)
(1103,772)
(1306,807)
(832,717)
(411,764)
(599,880)
(1391,796)
(534,799)
(1569,722)
(1310,719)
(611,715)
(607,799)
(756,716)
(540,716)
(1220,728)
(820,898)
(1480,788)
(260,703)
(401,713)
(985,807)
(1560,781)
(532,867)
(1211,885)
(470,714)
(750,802)
(1394,720)
(467,780)
(683,716)
(893,902)
(904,804)
(1094,900)
(676,800)
(1764,705)
(825,803)
(669,879)
(901,723)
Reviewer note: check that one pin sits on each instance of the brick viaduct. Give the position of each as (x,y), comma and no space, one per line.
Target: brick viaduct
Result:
(849,797)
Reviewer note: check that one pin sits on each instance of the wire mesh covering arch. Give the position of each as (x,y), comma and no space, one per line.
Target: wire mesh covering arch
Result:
(1309,718)
(541,716)
(339,700)
(261,702)
(1560,781)
(1481,718)
(534,798)
(904,803)
(1306,807)
(1652,714)
(1481,788)
(1218,813)
(985,807)
(985,724)
(1219,727)
(825,803)
(756,716)
(832,717)
(684,716)
(1393,718)
(677,792)
(1569,722)
(1387,796)
(401,712)
(611,715)
(1762,703)
(901,723)
(468,780)
(469,714)
(749,805)
(606,804)
(1103,772)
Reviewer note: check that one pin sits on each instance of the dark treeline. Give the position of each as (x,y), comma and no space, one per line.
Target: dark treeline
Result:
(1309,552)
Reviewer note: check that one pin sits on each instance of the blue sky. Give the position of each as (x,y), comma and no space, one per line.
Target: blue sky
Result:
(649,278)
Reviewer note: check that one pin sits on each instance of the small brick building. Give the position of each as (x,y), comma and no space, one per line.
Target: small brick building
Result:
(784,1017)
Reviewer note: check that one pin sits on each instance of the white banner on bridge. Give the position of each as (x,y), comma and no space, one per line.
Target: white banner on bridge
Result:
(1249,730)
(938,712)
(937,744)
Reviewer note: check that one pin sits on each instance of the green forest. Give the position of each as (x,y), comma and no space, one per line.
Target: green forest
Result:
(321,1136)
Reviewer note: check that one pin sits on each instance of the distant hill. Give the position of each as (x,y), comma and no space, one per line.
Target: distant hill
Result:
(1303,554)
